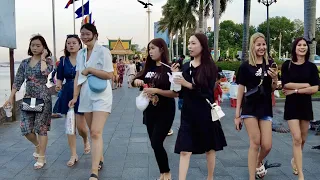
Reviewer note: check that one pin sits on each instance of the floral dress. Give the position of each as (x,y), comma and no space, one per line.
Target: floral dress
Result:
(121,69)
(33,122)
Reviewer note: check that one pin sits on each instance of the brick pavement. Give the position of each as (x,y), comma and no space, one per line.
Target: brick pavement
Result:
(129,156)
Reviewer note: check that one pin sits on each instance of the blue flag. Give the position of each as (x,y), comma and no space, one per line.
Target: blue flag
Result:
(85,10)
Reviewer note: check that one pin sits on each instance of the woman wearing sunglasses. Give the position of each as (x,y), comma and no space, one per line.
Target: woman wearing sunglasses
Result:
(67,71)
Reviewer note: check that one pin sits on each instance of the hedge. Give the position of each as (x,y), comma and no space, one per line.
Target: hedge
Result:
(234,65)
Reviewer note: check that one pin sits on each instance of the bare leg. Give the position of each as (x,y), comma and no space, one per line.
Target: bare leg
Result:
(32,137)
(265,139)
(184,165)
(96,130)
(294,126)
(83,132)
(253,130)
(211,163)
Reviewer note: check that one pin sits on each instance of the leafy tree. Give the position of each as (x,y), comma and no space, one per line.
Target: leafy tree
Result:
(277,25)
(230,38)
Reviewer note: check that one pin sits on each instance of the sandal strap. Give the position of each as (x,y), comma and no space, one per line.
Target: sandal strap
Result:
(94,175)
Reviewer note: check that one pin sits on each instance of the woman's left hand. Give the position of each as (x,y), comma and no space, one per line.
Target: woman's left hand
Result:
(273,73)
(287,92)
(180,80)
(151,90)
(86,71)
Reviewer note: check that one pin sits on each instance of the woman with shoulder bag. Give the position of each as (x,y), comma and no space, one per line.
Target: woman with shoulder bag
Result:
(36,107)
(199,133)
(300,79)
(256,111)
(92,86)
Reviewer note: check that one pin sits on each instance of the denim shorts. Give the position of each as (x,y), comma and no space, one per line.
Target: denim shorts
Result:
(265,118)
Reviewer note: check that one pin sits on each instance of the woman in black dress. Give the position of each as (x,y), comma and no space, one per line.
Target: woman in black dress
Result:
(198,134)
(300,80)
(159,115)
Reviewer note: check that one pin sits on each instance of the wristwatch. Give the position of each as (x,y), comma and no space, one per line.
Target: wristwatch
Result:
(296,91)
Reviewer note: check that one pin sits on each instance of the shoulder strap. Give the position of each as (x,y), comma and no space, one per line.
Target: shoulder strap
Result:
(263,71)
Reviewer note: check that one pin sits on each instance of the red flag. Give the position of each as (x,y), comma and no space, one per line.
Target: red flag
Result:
(69,3)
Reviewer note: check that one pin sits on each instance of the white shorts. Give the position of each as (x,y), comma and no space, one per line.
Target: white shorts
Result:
(91,102)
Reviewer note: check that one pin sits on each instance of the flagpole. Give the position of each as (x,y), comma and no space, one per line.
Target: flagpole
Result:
(74,19)
(82,11)
(54,33)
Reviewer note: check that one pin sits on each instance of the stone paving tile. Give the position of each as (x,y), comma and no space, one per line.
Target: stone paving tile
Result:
(129,156)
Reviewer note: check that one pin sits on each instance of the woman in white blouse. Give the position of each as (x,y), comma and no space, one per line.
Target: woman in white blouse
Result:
(94,60)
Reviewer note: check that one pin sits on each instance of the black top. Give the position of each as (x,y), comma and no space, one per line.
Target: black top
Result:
(250,76)
(159,106)
(299,106)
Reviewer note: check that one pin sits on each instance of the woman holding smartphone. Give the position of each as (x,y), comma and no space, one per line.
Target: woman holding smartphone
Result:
(256,111)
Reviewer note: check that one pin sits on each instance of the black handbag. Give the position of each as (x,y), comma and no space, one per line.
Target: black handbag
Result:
(258,90)
(32,105)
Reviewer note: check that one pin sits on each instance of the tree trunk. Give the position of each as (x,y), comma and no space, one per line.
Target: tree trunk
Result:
(216,29)
(246,24)
(185,39)
(177,44)
(310,25)
(171,46)
(201,14)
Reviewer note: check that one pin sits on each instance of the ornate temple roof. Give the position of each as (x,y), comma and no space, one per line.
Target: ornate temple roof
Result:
(120,47)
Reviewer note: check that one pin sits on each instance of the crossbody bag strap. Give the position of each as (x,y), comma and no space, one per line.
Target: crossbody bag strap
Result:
(263,71)
(208,101)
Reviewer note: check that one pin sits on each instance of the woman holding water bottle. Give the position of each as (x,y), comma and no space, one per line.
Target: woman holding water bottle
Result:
(198,133)
(159,115)
(67,71)
(35,123)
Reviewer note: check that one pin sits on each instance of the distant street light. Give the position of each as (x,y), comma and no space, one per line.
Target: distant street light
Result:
(268,3)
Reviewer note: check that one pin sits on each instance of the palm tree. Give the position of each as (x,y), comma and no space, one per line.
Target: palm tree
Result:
(310,24)
(203,8)
(177,17)
(246,24)
(167,22)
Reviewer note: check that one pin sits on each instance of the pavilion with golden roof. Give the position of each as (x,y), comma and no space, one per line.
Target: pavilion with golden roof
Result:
(120,48)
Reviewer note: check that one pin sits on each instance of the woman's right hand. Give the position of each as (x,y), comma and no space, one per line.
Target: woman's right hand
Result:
(138,83)
(72,103)
(238,123)
(175,67)
(9,102)
(58,87)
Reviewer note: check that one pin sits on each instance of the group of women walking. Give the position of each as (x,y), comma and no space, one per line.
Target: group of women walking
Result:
(198,133)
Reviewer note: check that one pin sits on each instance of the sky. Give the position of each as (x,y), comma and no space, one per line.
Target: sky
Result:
(126,19)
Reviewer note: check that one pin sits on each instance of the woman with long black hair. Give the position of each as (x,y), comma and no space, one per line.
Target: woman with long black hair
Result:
(300,80)
(159,115)
(198,134)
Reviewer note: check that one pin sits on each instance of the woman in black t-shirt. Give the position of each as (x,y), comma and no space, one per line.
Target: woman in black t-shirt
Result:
(159,115)
(300,80)
(256,110)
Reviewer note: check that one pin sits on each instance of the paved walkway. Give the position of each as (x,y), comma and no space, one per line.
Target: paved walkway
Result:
(128,155)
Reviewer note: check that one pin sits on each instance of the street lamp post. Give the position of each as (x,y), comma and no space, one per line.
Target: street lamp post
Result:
(268,3)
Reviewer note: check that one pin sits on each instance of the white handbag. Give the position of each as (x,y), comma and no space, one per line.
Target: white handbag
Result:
(216,111)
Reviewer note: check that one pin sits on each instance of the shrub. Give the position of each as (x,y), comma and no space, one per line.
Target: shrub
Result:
(229,65)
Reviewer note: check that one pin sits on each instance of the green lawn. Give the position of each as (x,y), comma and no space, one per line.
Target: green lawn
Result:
(315,95)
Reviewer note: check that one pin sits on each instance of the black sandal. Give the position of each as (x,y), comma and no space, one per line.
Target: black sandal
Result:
(94,176)
(101,165)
